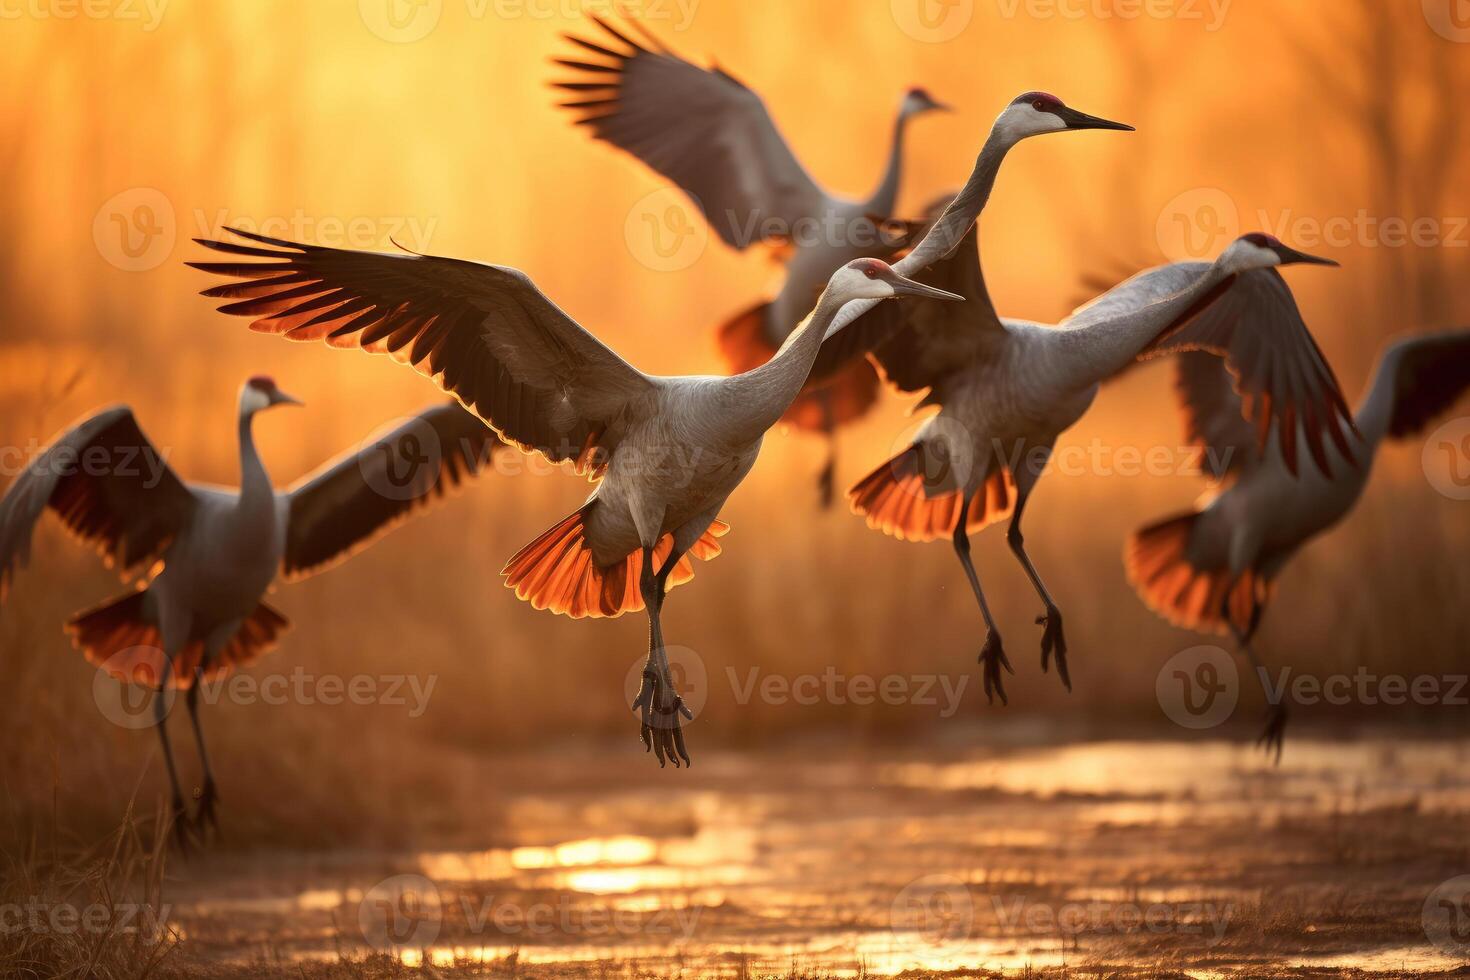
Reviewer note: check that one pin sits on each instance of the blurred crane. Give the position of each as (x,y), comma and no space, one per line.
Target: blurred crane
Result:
(1213,568)
(1006,389)
(713,138)
(212,552)
(665,452)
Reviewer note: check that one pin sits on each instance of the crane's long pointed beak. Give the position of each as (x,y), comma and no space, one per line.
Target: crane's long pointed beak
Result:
(1290,256)
(284,399)
(907,287)
(1081,120)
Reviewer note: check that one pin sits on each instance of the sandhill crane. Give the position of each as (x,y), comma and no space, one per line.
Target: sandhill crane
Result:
(210,552)
(714,139)
(665,452)
(1006,389)
(1212,569)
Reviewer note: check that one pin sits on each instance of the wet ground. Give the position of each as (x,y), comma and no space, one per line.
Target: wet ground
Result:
(1191,857)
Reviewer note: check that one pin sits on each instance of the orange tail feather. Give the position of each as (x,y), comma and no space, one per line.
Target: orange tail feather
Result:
(1158,566)
(893,500)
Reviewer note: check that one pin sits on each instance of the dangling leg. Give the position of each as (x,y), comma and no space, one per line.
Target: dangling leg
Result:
(179,820)
(658,701)
(204,811)
(827,478)
(1273,736)
(1053,640)
(992,655)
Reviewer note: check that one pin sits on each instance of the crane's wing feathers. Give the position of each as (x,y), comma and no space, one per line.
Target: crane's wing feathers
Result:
(1214,416)
(702,129)
(1279,371)
(1430,374)
(108,484)
(352,501)
(483,333)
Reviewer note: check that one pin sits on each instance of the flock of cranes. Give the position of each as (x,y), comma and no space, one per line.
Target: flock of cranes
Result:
(665,453)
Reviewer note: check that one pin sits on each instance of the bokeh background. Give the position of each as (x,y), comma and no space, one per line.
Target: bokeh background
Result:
(346,123)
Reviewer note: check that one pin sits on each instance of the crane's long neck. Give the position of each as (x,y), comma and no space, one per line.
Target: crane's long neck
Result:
(256,494)
(885,196)
(756,400)
(1375,411)
(1111,339)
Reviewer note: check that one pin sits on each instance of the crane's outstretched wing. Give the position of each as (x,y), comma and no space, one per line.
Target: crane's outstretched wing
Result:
(1252,321)
(357,498)
(1428,374)
(108,485)
(1214,417)
(703,130)
(917,341)
(483,333)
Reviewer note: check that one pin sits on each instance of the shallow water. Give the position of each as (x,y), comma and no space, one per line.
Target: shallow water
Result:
(1199,856)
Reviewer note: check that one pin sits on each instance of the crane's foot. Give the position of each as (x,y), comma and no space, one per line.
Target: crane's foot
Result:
(204,809)
(1054,641)
(181,827)
(992,659)
(659,708)
(1273,737)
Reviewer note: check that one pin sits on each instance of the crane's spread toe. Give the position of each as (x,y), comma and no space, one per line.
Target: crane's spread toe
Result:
(1054,641)
(181,827)
(993,658)
(659,725)
(1273,738)
(204,810)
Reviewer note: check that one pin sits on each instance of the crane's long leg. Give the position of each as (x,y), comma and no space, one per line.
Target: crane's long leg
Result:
(992,655)
(208,797)
(180,819)
(658,701)
(1053,640)
(1273,736)
(827,478)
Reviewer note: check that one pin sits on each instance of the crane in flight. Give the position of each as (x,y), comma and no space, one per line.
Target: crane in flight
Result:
(207,554)
(1212,568)
(664,452)
(1006,389)
(714,139)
